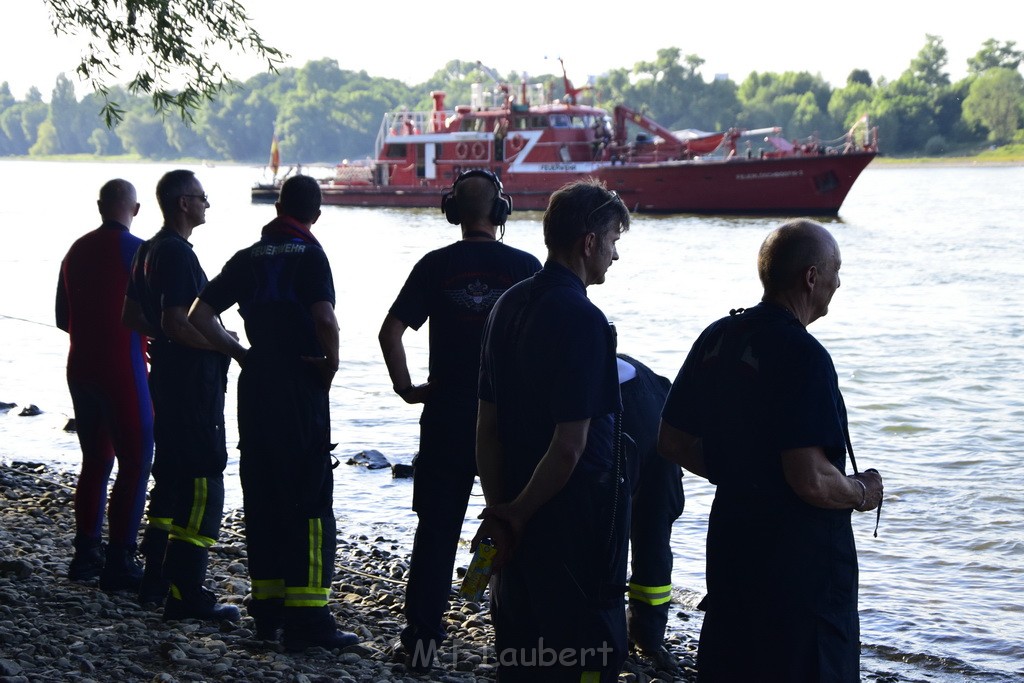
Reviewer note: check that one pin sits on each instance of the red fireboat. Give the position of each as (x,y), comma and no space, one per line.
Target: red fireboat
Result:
(535,146)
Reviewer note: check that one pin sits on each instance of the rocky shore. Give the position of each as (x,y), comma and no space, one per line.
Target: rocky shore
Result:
(54,630)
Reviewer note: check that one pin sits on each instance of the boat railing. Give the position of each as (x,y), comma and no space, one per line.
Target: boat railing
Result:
(397,123)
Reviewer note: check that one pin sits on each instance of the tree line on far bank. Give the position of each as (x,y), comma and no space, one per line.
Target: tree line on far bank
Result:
(322,114)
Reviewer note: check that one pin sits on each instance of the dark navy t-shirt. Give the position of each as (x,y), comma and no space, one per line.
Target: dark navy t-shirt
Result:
(165,274)
(754,385)
(456,287)
(275,282)
(549,357)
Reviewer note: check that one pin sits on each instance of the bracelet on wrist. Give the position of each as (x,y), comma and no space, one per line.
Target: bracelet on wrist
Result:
(863,493)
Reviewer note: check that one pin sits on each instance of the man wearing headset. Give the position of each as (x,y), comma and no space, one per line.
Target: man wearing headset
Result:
(455,287)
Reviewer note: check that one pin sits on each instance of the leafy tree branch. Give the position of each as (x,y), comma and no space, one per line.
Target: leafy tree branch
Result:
(171,41)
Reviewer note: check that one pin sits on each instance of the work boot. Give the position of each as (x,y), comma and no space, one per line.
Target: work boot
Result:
(197,603)
(87,562)
(122,570)
(153,586)
(420,650)
(306,627)
(268,613)
(421,658)
(661,659)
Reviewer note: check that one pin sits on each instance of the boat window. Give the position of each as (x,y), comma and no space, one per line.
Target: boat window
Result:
(396,151)
(559,121)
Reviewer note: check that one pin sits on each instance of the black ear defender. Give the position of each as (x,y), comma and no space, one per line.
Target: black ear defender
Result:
(500,209)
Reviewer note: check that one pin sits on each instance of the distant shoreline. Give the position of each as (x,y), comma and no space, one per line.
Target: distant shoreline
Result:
(965,162)
(881,160)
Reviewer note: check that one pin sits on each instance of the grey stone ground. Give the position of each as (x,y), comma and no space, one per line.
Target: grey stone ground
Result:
(54,630)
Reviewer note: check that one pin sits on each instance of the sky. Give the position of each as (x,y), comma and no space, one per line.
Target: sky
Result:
(411,40)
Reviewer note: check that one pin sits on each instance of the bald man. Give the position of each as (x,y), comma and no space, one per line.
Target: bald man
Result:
(756,409)
(107,379)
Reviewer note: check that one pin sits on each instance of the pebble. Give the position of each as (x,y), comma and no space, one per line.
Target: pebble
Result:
(55,630)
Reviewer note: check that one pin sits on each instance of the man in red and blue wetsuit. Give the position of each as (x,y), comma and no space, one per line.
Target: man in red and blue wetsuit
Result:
(107,379)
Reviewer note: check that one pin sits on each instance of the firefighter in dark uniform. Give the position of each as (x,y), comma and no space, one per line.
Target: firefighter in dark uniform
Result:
(549,456)
(454,287)
(657,503)
(187,381)
(285,293)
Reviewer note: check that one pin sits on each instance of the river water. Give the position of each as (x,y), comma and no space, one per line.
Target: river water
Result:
(926,333)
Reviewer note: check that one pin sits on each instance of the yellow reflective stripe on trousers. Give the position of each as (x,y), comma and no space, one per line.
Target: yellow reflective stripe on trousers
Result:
(652,595)
(267,589)
(306,596)
(160,522)
(316,541)
(198,505)
(590,677)
(190,534)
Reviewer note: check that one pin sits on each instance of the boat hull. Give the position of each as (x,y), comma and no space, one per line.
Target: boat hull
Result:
(809,185)
(814,185)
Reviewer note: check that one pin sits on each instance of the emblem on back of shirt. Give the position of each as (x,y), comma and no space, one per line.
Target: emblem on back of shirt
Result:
(475,296)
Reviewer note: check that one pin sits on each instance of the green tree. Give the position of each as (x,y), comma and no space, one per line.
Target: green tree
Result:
(143,133)
(716,107)
(313,130)
(47,140)
(6,98)
(995,101)
(238,125)
(797,101)
(994,54)
(104,142)
(848,104)
(930,63)
(860,76)
(31,114)
(14,133)
(174,40)
(6,101)
(672,91)
(65,114)
(904,111)
(322,74)
(186,140)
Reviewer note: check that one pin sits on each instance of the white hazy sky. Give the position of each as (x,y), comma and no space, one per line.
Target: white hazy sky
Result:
(410,40)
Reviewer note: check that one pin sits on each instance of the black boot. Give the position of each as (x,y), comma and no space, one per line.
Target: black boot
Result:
(87,562)
(268,614)
(196,602)
(122,570)
(306,627)
(153,586)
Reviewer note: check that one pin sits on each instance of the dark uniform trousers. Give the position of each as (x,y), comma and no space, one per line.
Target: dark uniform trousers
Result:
(657,503)
(445,469)
(287,486)
(565,582)
(187,498)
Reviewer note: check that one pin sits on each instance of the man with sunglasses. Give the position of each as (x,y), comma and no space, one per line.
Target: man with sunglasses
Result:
(187,380)
(550,456)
